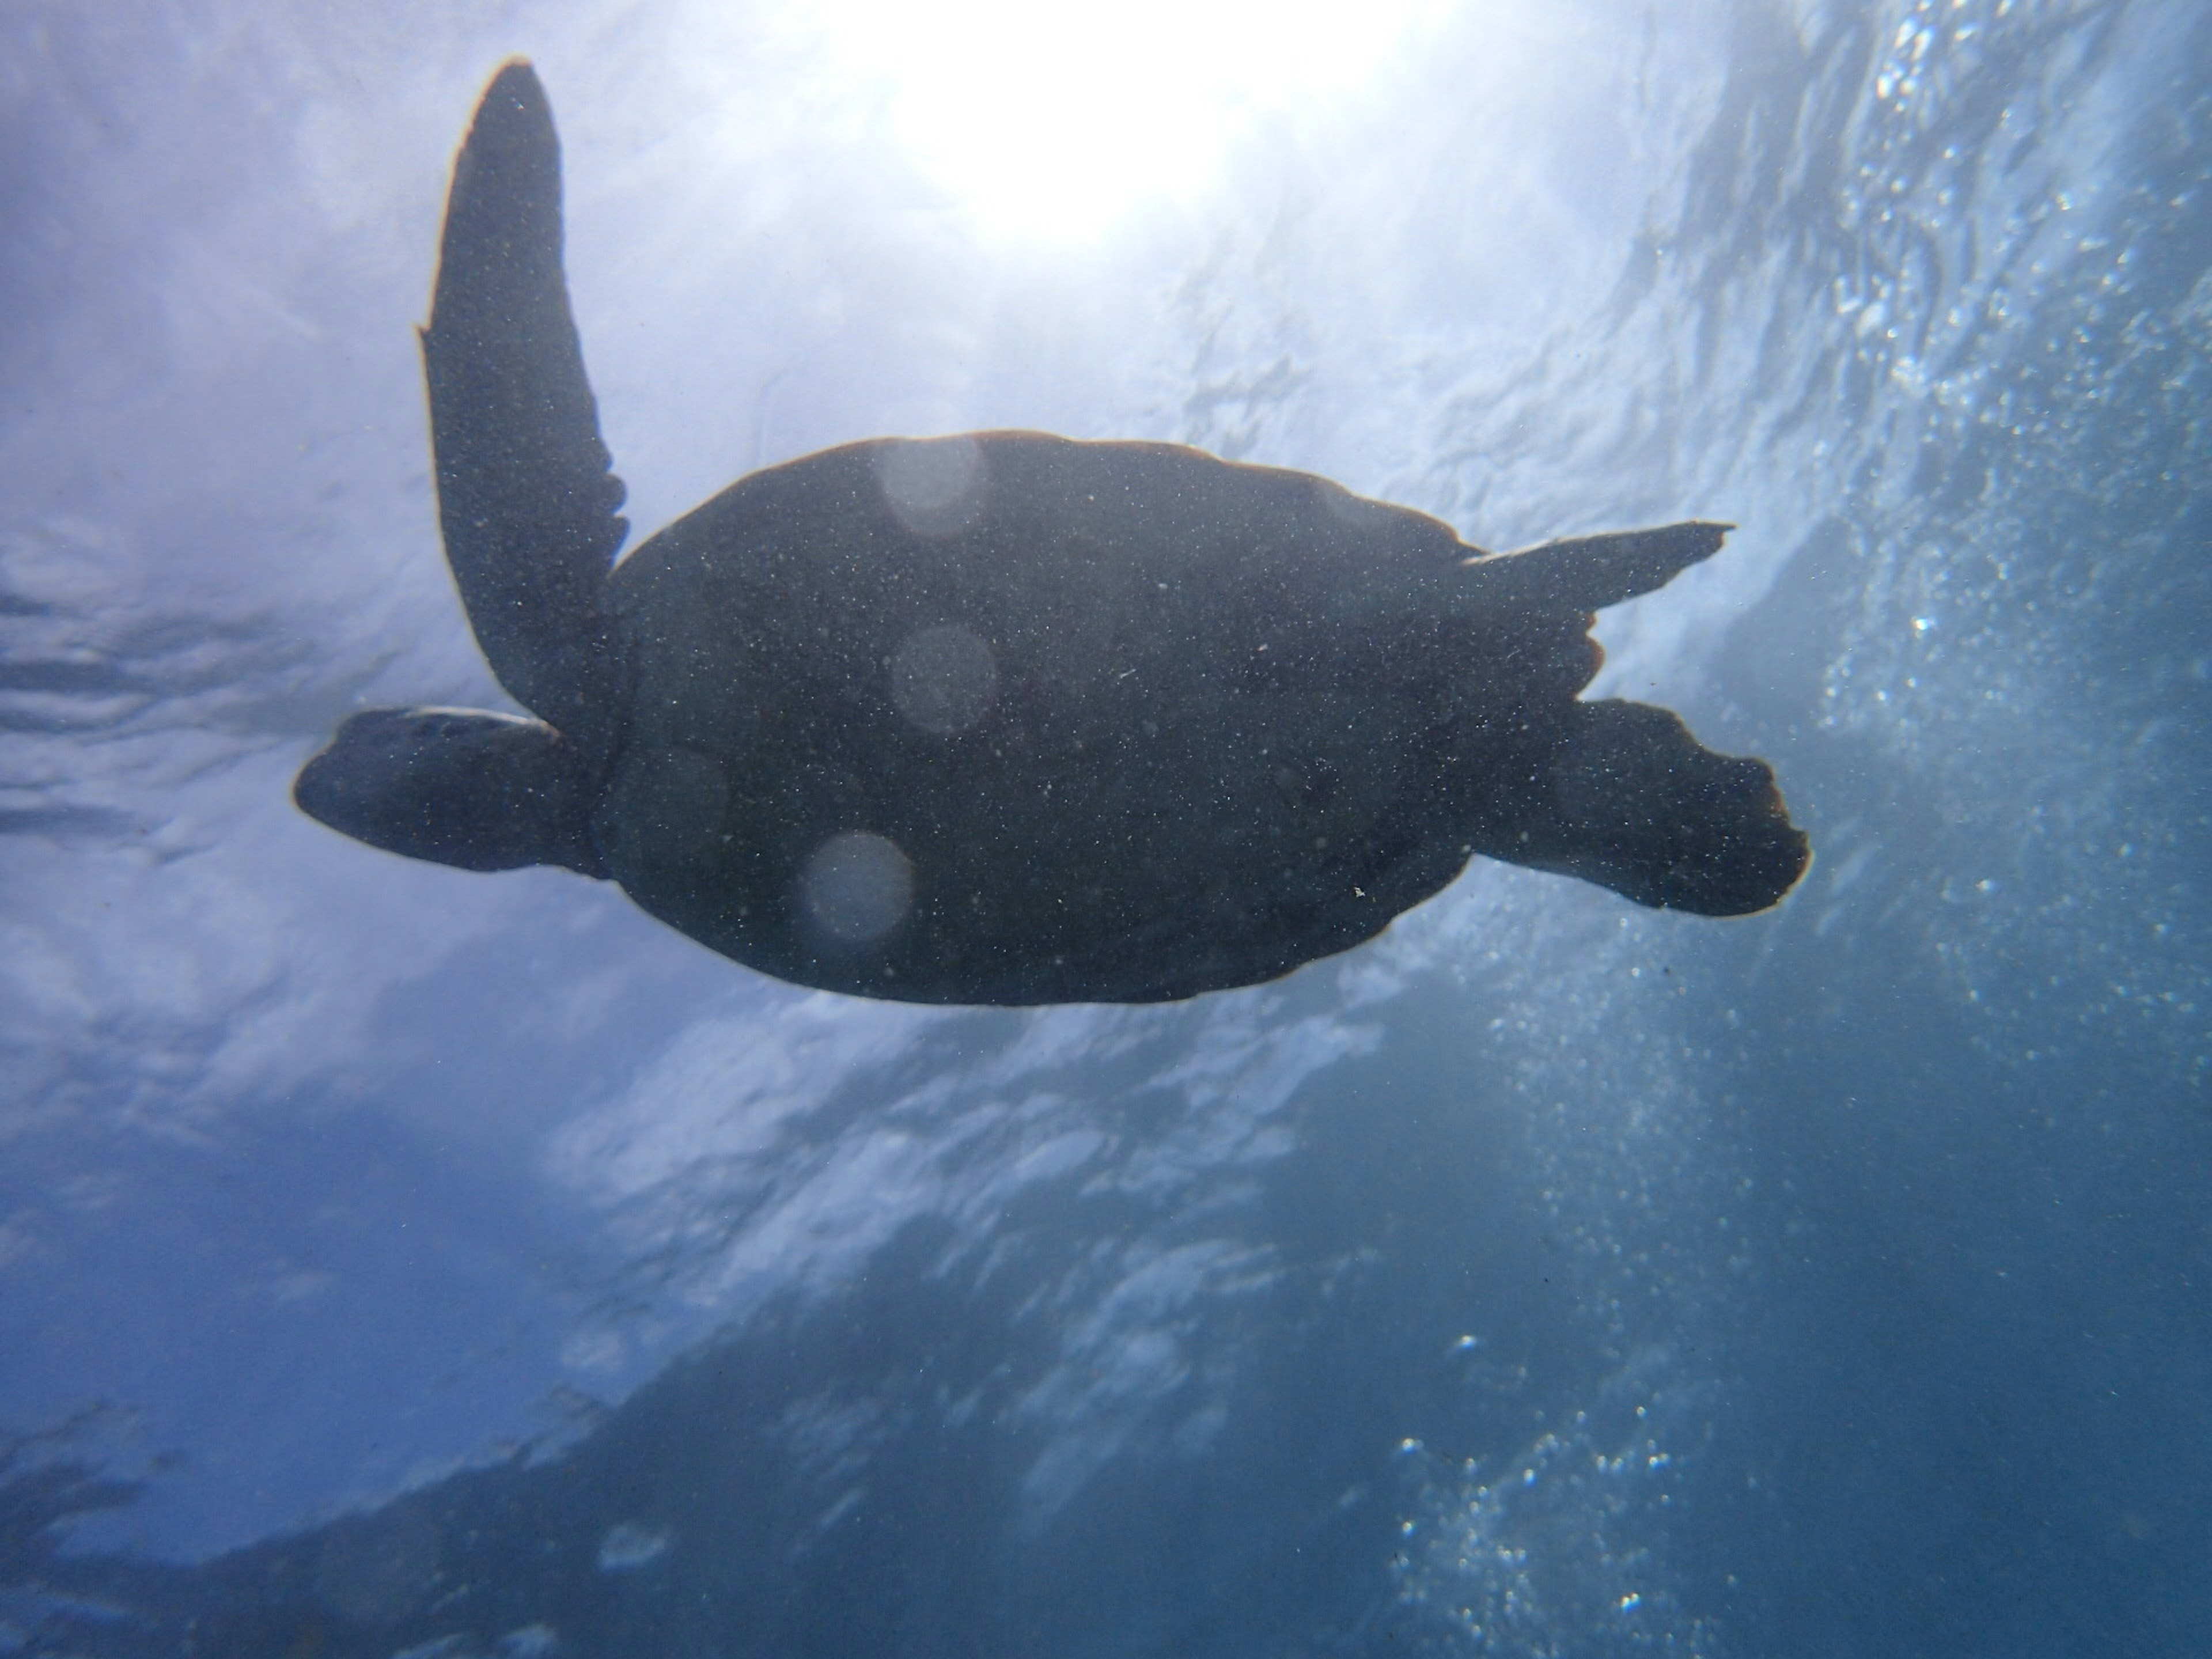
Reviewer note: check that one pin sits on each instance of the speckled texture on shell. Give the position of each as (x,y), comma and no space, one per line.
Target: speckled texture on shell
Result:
(1235,719)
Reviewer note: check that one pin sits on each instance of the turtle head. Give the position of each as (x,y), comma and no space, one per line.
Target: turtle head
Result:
(456,786)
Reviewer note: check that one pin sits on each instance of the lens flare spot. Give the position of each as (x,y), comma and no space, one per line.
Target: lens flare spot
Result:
(857,886)
(944,679)
(935,486)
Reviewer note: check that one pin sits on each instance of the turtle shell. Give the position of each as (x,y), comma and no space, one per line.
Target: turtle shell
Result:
(1009,718)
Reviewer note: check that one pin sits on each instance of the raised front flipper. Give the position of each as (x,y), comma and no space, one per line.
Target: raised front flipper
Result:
(1588,573)
(526,496)
(1626,797)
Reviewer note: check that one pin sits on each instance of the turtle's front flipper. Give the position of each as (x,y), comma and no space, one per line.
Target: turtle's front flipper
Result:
(1624,796)
(1588,573)
(526,496)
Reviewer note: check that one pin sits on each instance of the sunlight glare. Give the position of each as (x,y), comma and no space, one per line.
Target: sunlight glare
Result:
(1052,119)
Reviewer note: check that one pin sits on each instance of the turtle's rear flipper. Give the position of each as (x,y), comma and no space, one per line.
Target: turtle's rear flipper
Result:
(526,496)
(1588,573)
(1628,799)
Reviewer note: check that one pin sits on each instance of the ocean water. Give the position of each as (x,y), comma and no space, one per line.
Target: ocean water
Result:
(399,1262)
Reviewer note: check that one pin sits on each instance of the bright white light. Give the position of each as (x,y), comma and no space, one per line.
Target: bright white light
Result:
(1055,118)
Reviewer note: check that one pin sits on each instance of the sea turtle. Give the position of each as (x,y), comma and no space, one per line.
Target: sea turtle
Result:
(1003,717)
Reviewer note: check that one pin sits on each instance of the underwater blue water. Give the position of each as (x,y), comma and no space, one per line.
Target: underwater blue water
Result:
(394,1261)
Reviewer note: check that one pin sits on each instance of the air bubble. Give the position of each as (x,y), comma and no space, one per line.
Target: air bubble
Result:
(628,1545)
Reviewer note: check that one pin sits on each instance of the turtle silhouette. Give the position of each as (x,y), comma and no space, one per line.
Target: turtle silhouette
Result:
(1002,717)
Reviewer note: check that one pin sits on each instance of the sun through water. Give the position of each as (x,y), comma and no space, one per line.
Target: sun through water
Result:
(1053,121)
